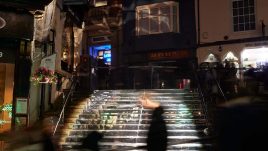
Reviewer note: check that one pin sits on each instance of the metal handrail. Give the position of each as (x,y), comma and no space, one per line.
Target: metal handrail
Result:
(203,100)
(72,87)
(218,85)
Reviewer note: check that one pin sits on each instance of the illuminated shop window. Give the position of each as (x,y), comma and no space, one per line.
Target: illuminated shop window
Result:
(255,57)
(157,18)
(211,58)
(243,15)
(102,52)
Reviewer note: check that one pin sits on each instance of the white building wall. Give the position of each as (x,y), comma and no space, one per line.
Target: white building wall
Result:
(57,24)
(216,20)
(216,23)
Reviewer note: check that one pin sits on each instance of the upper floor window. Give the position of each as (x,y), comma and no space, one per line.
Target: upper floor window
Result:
(157,18)
(243,15)
(99,3)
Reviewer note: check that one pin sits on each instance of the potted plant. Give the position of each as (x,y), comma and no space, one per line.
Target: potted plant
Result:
(44,75)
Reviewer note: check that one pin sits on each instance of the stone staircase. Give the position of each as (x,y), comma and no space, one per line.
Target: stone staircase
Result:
(74,108)
(119,116)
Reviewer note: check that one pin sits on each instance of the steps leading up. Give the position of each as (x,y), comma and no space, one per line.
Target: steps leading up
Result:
(120,117)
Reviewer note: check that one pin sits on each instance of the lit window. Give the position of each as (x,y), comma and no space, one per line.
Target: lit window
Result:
(102,52)
(244,15)
(99,3)
(157,18)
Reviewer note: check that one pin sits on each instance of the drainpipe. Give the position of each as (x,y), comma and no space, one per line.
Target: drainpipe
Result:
(71,32)
(198,23)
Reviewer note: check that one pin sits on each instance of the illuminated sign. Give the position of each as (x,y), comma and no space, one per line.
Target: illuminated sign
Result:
(107,55)
(108,59)
(180,54)
(102,52)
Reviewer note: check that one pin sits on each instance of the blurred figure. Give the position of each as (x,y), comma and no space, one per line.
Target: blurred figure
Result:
(251,81)
(34,138)
(242,123)
(91,141)
(47,131)
(147,103)
(157,134)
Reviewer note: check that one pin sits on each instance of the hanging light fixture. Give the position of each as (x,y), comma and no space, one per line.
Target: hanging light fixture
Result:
(220,48)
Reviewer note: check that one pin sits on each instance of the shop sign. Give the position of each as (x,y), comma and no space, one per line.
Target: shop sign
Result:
(22,111)
(49,62)
(180,54)
(257,44)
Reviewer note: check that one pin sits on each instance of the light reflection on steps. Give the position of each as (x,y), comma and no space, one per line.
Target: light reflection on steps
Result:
(117,114)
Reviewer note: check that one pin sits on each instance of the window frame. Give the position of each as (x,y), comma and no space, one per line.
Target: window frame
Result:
(236,16)
(171,5)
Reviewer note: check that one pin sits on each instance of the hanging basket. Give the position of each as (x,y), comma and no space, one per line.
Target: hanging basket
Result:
(44,75)
(44,80)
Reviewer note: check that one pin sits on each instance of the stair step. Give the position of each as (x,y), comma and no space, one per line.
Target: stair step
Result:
(165,100)
(128,146)
(143,126)
(70,120)
(84,133)
(145,121)
(119,116)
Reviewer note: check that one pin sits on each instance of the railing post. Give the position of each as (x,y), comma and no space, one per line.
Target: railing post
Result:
(152,73)
(63,115)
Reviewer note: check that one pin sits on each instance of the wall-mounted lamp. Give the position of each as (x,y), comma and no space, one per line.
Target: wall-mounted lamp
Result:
(220,48)
(38,14)
(64,55)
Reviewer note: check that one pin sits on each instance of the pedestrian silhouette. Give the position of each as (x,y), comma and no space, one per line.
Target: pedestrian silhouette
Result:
(157,134)
(91,141)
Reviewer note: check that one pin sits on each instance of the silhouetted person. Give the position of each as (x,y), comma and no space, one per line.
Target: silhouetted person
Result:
(241,124)
(157,134)
(48,144)
(47,130)
(91,141)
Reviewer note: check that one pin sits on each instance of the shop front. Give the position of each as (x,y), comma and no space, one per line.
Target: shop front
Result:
(162,69)
(7,66)
(15,67)
(243,56)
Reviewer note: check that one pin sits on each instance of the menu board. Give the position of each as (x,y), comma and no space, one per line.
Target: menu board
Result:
(21,105)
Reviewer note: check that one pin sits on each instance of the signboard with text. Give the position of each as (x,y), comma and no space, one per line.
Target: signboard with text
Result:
(22,106)
(49,62)
(169,55)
